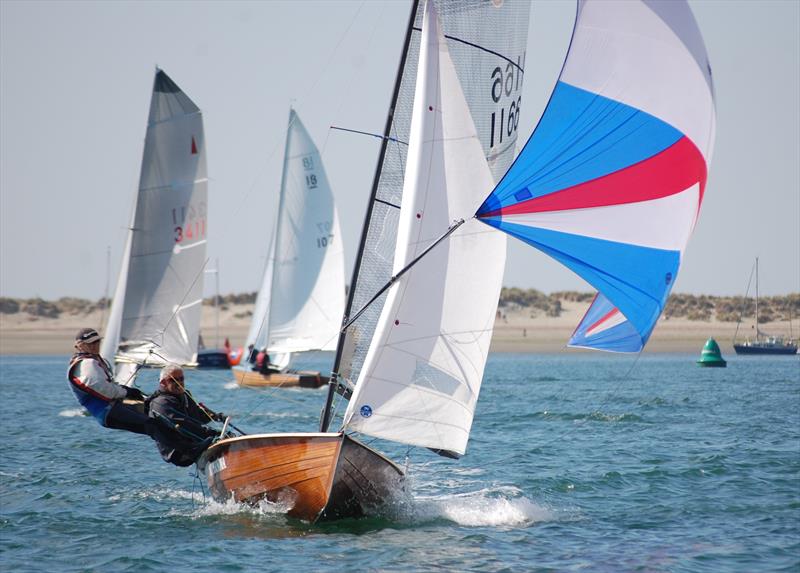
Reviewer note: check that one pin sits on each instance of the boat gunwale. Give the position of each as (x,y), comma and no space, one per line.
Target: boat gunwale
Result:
(340,435)
(246,437)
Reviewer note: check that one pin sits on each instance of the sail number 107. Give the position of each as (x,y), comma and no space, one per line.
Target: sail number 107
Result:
(325,239)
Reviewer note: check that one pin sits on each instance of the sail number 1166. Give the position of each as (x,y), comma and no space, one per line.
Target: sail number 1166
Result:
(505,91)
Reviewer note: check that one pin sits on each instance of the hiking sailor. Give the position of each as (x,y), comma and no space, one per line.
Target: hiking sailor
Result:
(92,382)
(179,429)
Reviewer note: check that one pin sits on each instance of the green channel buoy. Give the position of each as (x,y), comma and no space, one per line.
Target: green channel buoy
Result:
(711,356)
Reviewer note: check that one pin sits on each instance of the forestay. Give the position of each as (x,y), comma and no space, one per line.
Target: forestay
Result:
(611,181)
(422,374)
(486,41)
(155,316)
(301,301)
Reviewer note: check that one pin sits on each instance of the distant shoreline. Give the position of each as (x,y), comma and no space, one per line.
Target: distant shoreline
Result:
(541,327)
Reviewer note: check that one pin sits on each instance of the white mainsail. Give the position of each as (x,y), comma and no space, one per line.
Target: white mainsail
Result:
(486,41)
(422,374)
(155,315)
(301,301)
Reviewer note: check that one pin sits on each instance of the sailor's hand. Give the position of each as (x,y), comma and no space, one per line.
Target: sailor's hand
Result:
(219,417)
(133,393)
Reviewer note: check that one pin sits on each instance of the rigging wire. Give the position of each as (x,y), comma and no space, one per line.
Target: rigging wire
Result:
(350,83)
(244,202)
(578,423)
(741,308)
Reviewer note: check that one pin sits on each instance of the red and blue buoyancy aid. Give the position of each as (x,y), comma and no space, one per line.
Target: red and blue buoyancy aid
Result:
(91,398)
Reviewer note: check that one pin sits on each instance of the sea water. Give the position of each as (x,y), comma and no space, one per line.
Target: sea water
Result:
(576,462)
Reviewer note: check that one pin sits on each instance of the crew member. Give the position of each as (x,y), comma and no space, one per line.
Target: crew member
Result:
(93,384)
(179,422)
(263,364)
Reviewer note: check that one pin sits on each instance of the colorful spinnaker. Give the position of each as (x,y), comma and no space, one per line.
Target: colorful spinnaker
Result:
(611,181)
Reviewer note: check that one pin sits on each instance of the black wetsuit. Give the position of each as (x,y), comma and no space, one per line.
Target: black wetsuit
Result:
(178,430)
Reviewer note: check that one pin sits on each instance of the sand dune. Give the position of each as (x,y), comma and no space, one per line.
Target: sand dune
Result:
(521,330)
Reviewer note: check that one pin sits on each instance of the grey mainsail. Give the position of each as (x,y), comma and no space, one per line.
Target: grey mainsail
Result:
(155,315)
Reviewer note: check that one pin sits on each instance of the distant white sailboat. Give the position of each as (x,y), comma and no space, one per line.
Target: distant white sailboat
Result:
(301,300)
(155,314)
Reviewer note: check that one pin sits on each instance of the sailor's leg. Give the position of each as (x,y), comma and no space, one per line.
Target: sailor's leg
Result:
(124,417)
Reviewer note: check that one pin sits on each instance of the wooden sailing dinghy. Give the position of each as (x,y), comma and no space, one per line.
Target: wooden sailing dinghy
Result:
(331,474)
(609,184)
(289,378)
(301,300)
(155,314)
(317,476)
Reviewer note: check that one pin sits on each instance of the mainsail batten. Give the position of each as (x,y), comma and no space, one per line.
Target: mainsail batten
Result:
(611,181)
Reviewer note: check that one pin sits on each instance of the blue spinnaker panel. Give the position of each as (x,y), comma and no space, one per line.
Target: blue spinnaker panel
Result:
(604,327)
(582,137)
(637,279)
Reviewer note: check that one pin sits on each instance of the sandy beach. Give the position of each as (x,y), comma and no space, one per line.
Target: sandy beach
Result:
(520,330)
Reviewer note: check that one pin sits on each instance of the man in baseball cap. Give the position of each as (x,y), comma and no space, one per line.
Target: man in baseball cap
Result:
(92,381)
(180,431)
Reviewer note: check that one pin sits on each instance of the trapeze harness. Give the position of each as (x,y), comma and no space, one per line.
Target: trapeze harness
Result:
(97,404)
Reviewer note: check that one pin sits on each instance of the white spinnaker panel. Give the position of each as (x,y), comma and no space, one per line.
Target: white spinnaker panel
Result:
(487,42)
(613,54)
(164,290)
(663,223)
(307,292)
(421,379)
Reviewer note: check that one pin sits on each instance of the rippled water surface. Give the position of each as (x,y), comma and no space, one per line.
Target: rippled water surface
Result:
(576,463)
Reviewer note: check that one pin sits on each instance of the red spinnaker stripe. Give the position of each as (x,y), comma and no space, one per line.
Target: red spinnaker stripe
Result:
(608,315)
(671,171)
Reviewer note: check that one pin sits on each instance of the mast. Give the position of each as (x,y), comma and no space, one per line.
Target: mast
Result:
(108,283)
(216,304)
(276,241)
(326,413)
(758,332)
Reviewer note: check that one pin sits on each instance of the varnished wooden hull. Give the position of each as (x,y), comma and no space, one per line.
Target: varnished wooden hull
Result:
(318,476)
(302,378)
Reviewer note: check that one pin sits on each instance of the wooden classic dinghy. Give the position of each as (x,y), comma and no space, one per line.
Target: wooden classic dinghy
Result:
(288,379)
(410,364)
(320,475)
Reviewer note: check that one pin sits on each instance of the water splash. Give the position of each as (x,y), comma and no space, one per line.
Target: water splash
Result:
(73,413)
(489,507)
(264,508)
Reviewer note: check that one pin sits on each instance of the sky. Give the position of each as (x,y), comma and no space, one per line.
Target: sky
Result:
(75,85)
